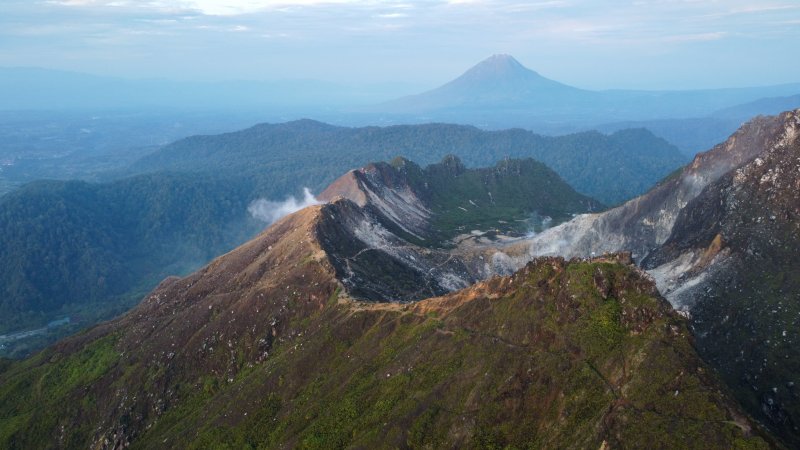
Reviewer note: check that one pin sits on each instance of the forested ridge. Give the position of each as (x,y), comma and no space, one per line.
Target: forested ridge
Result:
(73,243)
(610,168)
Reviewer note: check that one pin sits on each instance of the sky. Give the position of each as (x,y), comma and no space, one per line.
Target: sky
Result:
(592,44)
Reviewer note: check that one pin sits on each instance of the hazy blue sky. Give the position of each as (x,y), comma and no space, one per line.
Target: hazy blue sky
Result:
(590,44)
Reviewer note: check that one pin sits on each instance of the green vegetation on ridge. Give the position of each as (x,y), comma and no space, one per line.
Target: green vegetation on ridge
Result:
(610,168)
(561,355)
(516,195)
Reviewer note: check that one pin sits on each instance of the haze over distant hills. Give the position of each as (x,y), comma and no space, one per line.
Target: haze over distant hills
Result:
(610,168)
(497,93)
(26,88)
(498,82)
(502,90)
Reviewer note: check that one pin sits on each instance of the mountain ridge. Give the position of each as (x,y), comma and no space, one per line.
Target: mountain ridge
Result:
(89,251)
(415,199)
(619,167)
(718,238)
(658,208)
(301,338)
(262,347)
(435,229)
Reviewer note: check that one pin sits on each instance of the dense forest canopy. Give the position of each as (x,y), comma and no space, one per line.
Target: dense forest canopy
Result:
(610,168)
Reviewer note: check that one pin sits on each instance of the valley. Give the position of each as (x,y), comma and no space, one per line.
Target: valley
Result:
(408,286)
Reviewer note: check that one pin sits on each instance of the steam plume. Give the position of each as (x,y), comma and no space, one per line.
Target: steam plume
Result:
(269,211)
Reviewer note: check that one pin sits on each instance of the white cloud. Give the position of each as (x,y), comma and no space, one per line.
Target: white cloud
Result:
(76,2)
(757,9)
(219,7)
(236,7)
(696,37)
(392,16)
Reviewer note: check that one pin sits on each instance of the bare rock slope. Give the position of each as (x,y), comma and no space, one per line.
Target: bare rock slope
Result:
(720,239)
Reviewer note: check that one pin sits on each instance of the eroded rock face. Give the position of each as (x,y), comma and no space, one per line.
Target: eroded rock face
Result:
(386,190)
(433,205)
(398,232)
(646,222)
(740,239)
(721,242)
(375,264)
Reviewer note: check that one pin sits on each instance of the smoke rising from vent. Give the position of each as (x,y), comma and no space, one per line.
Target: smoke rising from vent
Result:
(270,211)
(538,224)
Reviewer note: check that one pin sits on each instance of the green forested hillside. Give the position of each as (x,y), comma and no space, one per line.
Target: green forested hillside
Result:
(77,247)
(610,168)
(516,195)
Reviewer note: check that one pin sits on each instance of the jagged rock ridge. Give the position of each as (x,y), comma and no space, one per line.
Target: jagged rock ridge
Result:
(432,205)
(644,223)
(720,239)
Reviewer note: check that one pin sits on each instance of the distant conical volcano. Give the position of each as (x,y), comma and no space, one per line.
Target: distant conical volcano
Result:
(504,75)
(499,92)
(498,82)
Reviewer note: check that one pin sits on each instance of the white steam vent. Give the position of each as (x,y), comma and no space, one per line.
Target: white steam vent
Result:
(269,211)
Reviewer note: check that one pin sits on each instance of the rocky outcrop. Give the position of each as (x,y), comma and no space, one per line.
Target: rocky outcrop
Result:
(375,264)
(646,222)
(399,232)
(389,192)
(737,242)
(720,240)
